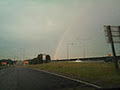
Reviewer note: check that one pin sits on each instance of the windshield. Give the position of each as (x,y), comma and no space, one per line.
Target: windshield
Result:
(66,37)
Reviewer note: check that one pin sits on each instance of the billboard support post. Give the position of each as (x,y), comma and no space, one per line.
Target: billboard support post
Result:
(112,46)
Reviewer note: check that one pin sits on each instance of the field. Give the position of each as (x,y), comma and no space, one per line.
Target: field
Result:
(103,74)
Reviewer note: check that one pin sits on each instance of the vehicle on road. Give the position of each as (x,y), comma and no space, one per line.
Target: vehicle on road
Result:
(78,60)
(12,65)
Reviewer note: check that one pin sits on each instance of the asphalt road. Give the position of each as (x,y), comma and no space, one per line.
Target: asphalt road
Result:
(20,78)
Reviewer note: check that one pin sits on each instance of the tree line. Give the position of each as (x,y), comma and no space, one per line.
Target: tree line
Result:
(41,58)
(4,62)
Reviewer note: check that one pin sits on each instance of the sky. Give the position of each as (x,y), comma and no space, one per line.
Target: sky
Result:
(32,27)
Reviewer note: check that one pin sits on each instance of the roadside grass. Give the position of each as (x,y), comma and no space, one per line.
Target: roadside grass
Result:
(103,74)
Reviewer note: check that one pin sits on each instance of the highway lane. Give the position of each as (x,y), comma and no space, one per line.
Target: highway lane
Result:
(20,78)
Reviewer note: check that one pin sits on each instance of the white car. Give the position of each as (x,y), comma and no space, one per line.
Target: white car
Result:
(78,60)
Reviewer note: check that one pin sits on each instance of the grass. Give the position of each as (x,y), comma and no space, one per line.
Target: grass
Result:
(103,74)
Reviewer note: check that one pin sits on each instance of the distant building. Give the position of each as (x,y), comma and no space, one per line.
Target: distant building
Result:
(26,62)
(3,63)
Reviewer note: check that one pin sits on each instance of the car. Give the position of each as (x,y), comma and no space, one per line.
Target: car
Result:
(77,60)
(12,65)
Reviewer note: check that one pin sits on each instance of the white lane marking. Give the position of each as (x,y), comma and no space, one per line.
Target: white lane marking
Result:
(80,81)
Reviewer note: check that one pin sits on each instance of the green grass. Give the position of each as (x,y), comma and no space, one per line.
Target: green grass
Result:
(101,73)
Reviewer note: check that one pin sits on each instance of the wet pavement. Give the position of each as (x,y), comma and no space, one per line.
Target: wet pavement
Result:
(20,78)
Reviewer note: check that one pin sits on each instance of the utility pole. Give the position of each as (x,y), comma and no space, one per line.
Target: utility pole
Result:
(68,50)
(84,49)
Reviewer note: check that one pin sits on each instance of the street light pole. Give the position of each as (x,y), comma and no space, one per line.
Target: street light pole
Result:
(68,50)
(84,49)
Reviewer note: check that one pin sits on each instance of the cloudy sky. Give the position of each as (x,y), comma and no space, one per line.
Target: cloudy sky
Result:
(30,27)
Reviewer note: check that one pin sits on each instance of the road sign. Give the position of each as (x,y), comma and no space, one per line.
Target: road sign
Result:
(109,54)
(26,62)
(113,32)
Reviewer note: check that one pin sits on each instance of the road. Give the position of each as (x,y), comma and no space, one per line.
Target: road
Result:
(20,78)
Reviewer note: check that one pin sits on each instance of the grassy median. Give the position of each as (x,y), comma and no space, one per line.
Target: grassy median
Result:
(103,74)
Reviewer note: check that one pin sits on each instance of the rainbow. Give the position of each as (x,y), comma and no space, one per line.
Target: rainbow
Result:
(60,42)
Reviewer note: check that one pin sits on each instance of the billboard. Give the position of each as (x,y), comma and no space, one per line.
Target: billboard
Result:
(114,32)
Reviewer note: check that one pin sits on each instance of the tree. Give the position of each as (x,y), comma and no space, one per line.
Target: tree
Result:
(48,59)
(40,58)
